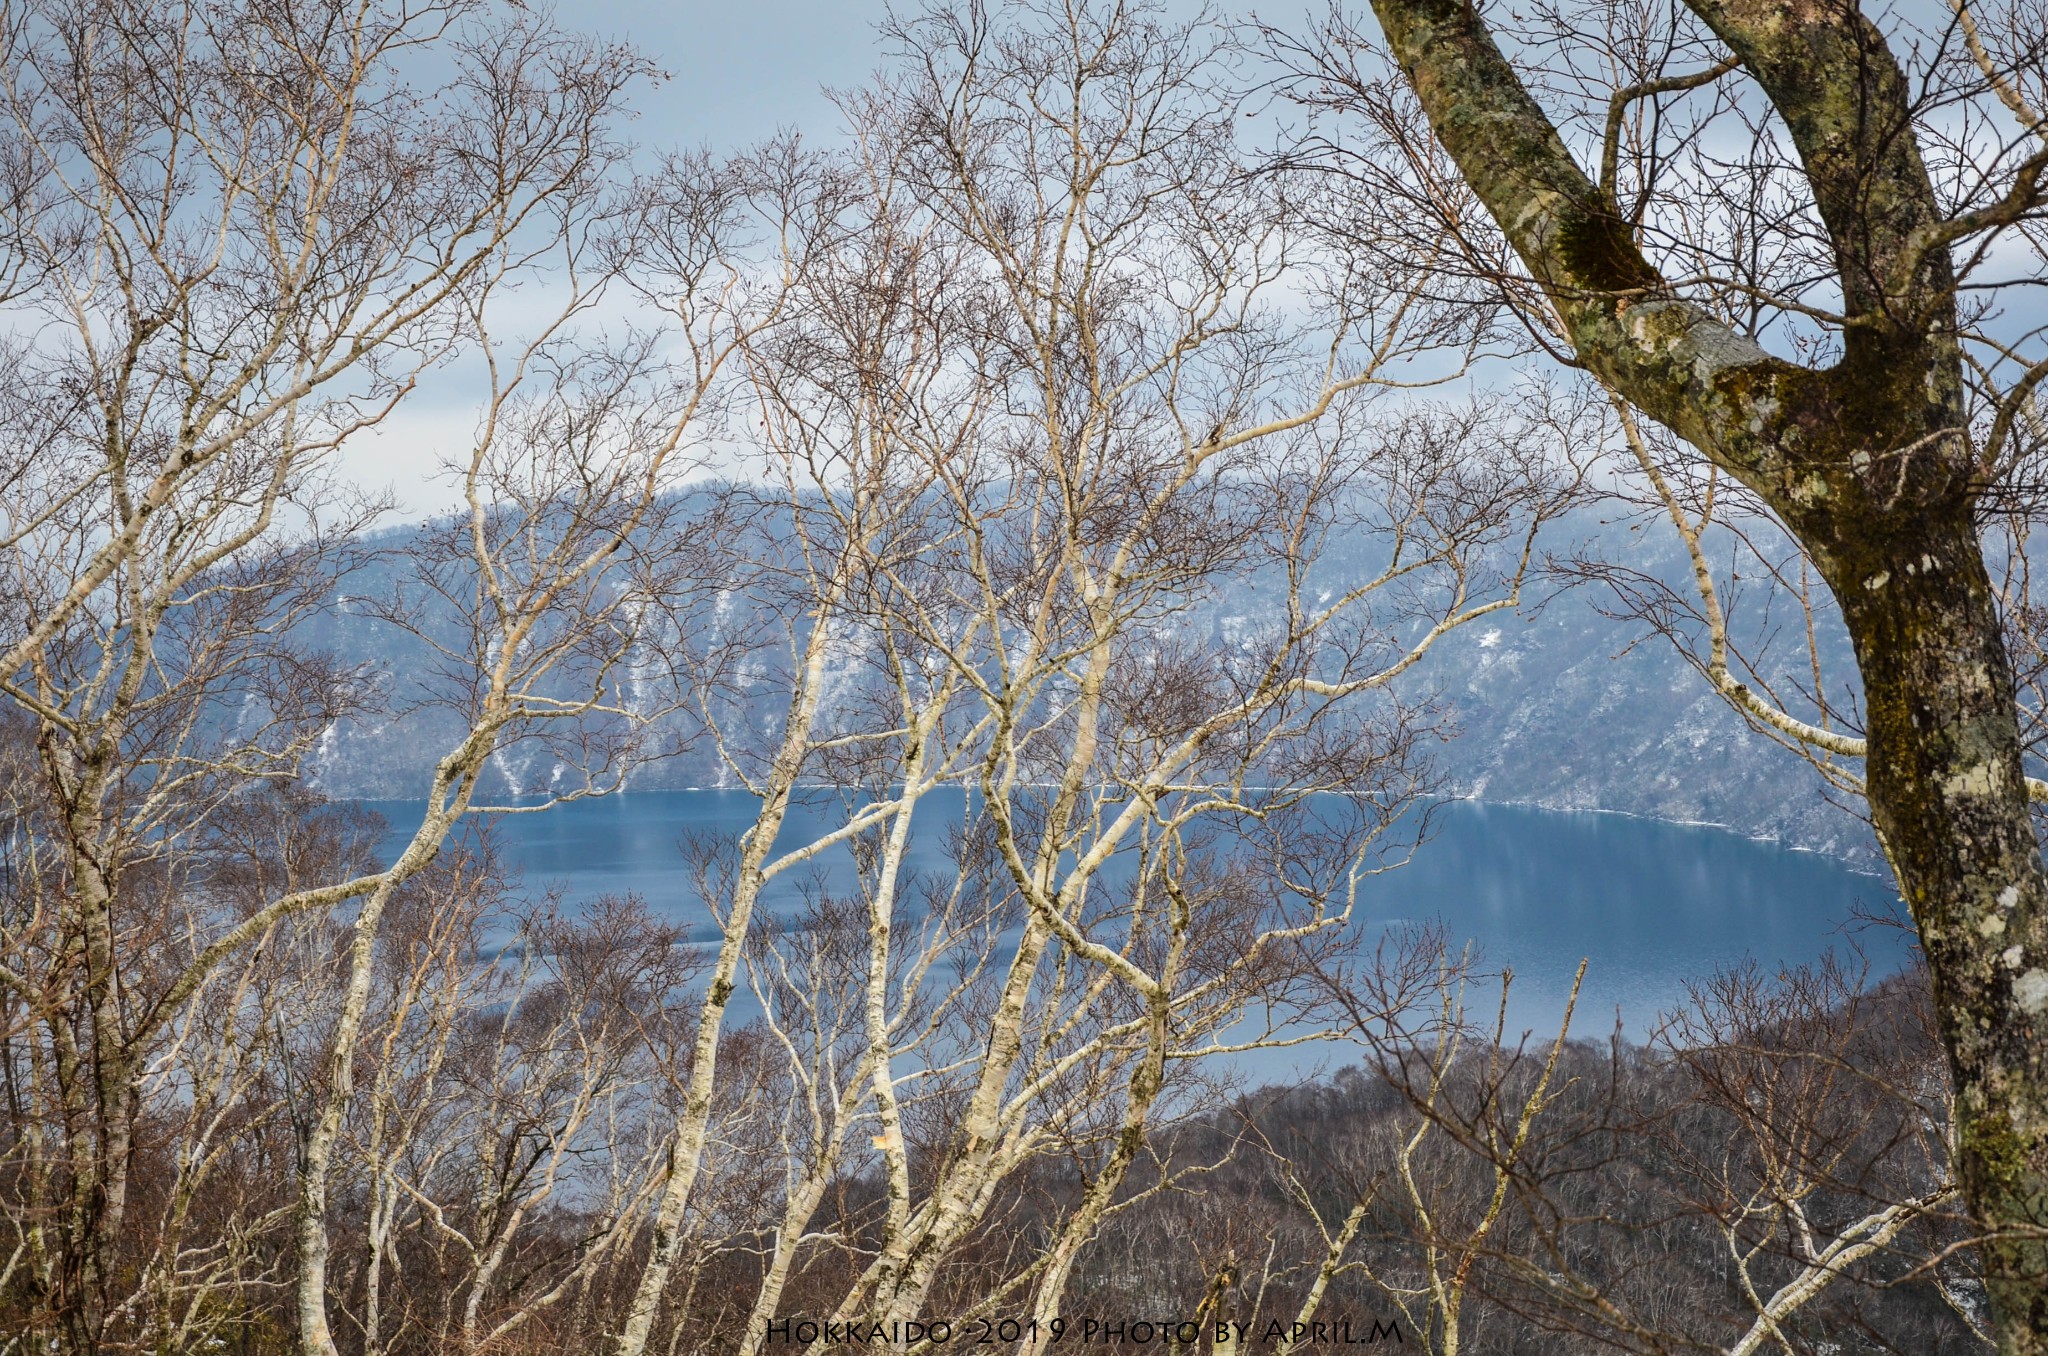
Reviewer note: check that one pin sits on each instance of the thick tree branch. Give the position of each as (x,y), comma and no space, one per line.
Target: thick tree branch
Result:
(1672,358)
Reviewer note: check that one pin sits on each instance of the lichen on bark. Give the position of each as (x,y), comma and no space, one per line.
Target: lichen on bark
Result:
(1865,463)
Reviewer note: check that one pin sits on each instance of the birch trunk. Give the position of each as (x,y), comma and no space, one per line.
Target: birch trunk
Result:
(450,796)
(686,1154)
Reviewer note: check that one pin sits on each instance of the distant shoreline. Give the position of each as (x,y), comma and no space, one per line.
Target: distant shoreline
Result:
(1861,863)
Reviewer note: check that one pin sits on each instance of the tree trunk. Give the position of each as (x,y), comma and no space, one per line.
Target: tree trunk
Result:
(1949,800)
(1868,464)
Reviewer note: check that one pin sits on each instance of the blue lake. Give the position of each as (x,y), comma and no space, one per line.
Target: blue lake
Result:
(1650,905)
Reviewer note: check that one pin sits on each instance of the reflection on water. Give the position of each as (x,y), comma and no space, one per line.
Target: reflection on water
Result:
(1651,905)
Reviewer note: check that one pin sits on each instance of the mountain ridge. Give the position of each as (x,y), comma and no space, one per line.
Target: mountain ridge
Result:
(1560,706)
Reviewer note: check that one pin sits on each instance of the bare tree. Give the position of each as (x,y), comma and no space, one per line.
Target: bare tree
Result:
(1814,311)
(244,236)
(1771,1172)
(1057,377)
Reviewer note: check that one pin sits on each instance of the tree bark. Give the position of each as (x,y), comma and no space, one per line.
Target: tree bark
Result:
(1867,463)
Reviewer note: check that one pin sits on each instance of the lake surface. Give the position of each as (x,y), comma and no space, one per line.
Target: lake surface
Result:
(1650,905)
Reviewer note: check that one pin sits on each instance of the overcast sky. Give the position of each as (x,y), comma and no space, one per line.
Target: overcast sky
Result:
(740,68)
(739,71)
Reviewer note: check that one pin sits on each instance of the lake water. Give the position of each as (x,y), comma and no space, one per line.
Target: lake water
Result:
(1650,905)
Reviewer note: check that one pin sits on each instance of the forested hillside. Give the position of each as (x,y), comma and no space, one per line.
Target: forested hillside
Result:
(1571,702)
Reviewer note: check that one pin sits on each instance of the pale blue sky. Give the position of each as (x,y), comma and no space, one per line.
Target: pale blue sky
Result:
(737,73)
(740,70)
